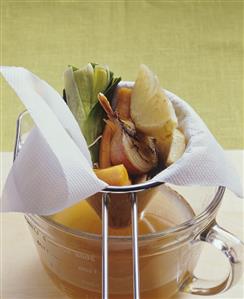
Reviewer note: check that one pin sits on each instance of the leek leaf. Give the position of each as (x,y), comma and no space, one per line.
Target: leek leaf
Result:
(81,89)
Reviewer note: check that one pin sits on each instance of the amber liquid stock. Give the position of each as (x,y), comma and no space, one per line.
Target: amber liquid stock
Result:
(152,269)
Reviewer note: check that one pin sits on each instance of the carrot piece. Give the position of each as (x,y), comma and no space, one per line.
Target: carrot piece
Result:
(104,149)
(123,102)
(115,175)
(111,124)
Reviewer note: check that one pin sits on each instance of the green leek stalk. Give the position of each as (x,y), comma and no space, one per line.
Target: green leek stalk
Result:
(81,89)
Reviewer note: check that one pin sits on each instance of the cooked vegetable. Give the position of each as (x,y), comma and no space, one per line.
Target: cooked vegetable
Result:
(141,132)
(114,175)
(104,150)
(81,89)
(128,147)
(151,110)
(177,147)
(123,98)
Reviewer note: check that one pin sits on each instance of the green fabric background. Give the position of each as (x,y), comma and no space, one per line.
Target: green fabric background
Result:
(195,47)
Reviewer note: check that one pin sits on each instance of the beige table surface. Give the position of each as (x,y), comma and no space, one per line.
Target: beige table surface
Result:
(22,275)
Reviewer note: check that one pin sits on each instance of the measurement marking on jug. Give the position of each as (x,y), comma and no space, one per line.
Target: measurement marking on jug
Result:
(87,270)
(86,256)
(41,245)
(35,230)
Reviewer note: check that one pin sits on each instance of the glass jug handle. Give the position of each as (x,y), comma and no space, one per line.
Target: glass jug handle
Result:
(232,248)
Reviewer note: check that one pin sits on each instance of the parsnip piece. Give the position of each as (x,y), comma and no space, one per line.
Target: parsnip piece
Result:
(177,147)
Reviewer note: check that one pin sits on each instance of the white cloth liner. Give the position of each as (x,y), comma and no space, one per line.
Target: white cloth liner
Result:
(53,169)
